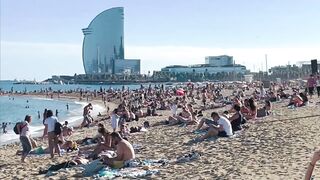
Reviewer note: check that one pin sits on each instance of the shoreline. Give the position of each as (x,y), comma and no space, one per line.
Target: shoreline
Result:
(37,134)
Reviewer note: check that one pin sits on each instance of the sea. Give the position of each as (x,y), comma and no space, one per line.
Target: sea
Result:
(14,108)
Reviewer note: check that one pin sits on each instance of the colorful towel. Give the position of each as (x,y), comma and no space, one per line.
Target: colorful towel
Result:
(133,172)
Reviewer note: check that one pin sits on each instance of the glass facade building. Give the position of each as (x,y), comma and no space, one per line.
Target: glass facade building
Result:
(103,42)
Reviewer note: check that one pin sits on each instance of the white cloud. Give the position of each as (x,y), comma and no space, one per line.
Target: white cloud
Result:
(41,60)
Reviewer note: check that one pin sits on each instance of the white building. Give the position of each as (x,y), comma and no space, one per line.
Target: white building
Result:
(223,60)
(205,68)
(213,65)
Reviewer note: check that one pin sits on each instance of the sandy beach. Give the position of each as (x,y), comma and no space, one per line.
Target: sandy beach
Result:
(276,147)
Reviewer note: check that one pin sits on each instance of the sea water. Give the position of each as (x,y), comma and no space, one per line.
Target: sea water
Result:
(10,85)
(14,109)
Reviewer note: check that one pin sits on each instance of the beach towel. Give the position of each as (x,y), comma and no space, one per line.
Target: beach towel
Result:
(92,168)
(147,162)
(134,172)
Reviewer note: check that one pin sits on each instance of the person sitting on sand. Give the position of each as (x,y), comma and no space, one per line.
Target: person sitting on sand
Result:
(252,110)
(296,101)
(304,99)
(184,117)
(218,126)
(265,110)
(124,151)
(103,146)
(66,131)
(237,119)
(315,158)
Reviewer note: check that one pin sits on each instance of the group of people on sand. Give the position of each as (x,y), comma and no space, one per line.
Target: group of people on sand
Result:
(188,108)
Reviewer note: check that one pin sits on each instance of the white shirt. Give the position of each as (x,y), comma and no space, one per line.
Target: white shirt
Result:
(318,82)
(25,130)
(225,123)
(51,122)
(114,121)
(174,109)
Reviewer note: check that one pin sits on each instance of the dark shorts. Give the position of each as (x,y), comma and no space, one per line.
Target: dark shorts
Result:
(311,89)
(222,134)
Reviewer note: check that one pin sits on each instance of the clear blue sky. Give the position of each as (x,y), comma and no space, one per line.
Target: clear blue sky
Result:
(40,38)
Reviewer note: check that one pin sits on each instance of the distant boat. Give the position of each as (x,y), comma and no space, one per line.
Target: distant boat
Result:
(25,82)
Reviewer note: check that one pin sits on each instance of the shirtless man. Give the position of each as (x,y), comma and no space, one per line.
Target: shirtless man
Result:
(184,117)
(124,151)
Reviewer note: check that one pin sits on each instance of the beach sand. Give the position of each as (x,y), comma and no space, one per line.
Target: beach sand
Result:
(278,147)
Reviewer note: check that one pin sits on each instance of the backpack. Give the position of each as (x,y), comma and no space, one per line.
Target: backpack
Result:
(20,125)
(57,128)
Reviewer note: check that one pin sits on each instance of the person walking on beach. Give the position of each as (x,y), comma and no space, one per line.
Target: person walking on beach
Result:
(45,130)
(87,119)
(23,130)
(50,123)
(4,127)
(311,84)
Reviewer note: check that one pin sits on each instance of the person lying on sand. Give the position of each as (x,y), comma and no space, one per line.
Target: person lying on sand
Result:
(68,164)
(218,126)
(96,139)
(124,151)
(66,146)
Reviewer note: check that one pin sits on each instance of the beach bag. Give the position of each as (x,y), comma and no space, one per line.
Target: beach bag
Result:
(19,125)
(57,128)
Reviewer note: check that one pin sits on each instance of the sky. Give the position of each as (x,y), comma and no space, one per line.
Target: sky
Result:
(41,38)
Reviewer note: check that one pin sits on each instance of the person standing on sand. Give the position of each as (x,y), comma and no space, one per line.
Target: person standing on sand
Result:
(115,120)
(50,123)
(315,158)
(25,137)
(318,85)
(87,119)
(4,127)
(45,130)
(311,83)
